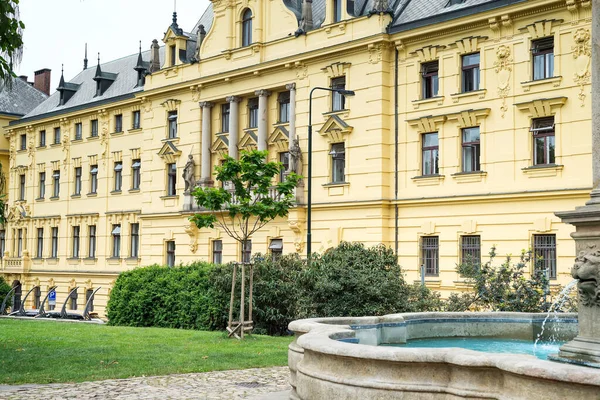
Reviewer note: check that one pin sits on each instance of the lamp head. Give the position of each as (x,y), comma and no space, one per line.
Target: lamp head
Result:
(345,92)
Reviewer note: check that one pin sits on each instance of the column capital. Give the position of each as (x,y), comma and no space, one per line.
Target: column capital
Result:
(262,93)
(290,86)
(233,99)
(206,104)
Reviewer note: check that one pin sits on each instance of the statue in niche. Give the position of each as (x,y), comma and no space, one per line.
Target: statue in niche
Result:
(188,174)
(296,157)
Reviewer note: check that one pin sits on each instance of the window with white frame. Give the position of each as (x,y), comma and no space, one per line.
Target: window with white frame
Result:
(172,120)
(217,251)
(40,243)
(542,53)
(136,175)
(283,101)
(171,179)
(247,28)
(253,112)
(118,176)
(170,253)
(77,189)
(54,247)
(116,241)
(93,179)
(92,241)
(135,241)
(338,163)
(42,185)
(56,183)
(76,242)
(338,100)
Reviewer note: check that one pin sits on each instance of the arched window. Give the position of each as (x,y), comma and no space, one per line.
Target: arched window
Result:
(247,28)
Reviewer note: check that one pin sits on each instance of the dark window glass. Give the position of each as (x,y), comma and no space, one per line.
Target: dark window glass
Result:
(284,158)
(430,255)
(23,145)
(37,297)
(470,72)
(284,107)
(338,162)
(136,120)
(76,242)
(543,141)
(429,76)
(172,179)
(19,242)
(118,176)
(2,242)
(40,243)
(544,253)
(247,251)
(217,248)
(94,128)
(542,51)
(56,183)
(225,117)
(276,248)
(116,241)
(88,295)
(56,135)
(172,118)
(22,187)
(73,300)
(135,240)
(338,101)
(471,149)
(247,28)
(77,181)
(253,113)
(78,131)
(119,123)
(54,242)
(93,179)
(42,138)
(42,186)
(136,175)
(172,55)
(470,250)
(92,241)
(171,253)
(337,10)
(430,153)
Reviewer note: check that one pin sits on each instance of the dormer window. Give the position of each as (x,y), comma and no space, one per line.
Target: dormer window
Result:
(337,10)
(454,2)
(172,52)
(103,79)
(247,28)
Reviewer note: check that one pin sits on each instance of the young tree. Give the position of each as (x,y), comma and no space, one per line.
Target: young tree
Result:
(11,39)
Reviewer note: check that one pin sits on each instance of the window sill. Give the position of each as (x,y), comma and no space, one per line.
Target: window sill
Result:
(542,171)
(134,130)
(117,133)
(21,150)
(428,180)
(114,260)
(77,140)
(280,124)
(94,194)
(55,145)
(469,177)
(39,199)
(555,80)
(90,261)
(430,283)
(337,188)
(175,196)
(75,196)
(54,198)
(336,184)
(37,259)
(463,284)
(480,94)
(132,261)
(344,113)
(116,192)
(134,190)
(52,261)
(93,137)
(41,147)
(439,100)
(73,261)
(173,140)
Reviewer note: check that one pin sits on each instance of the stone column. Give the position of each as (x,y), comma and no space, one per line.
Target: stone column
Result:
(263,96)
(206,142)
(292,128)
(595,71)
(234,125)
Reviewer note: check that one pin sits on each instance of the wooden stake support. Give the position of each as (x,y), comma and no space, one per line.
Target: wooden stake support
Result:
(237,329)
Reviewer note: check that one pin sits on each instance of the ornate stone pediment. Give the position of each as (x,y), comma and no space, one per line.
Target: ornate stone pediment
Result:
(542,107)
(169,152)
(335,128)
(171,104)
(427,124)
(248,141)
(279,138)
(469,118)
(220,146)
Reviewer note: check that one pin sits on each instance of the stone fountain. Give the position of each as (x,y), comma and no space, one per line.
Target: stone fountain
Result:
(585,348)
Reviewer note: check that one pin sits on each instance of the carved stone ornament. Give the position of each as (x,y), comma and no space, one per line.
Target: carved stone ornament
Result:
(582,53)
(587,270)
(192,230)
(503,69)
(297,228)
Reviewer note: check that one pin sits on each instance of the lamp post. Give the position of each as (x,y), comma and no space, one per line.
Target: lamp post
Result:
(342,92)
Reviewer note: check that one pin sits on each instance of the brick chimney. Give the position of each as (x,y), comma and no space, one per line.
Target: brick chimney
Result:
(42,81)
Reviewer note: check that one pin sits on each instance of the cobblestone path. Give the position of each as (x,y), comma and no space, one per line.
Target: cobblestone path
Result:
(221,385)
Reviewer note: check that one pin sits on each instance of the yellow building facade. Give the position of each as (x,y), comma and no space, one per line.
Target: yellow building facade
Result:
(470,127)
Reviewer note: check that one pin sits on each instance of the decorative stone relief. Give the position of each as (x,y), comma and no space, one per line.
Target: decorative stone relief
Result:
(192,230)
(103,120)
(336,69)
(31,155)
(195,93)
(65,141)
(296,227)
(503,67)
(582,53)
(376,52)
(13,150)
(301,70)
(146,104)
(587,270)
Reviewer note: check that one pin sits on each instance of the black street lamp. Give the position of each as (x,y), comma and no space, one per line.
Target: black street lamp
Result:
(343,92)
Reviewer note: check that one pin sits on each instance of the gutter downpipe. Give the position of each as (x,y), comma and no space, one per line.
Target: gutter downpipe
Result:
(396,229)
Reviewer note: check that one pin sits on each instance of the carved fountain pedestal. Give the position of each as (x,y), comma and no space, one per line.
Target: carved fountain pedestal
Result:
(585,348)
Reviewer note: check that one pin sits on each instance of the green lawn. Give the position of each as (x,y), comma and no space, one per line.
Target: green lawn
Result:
(52,352)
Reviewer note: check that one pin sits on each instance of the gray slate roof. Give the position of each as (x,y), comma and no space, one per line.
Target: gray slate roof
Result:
(125,84)
(20,99)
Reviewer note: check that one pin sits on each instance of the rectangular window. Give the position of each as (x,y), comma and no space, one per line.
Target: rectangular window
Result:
(171,253)
(77,191)
(92,241)
(429,77)
(118,123)
(338,101)
(284,159)
(253,113)
(19,242)
(430,153)
(247,251)
(136,120)
(276,248)
(471,152)
(135,241)
(172,179)
(22,187)
(2,242)
(338,162)
(93,179)
(172,118)
(54,242)
(337,10)
(542,51)
(470,72)
(76,242)
(78,131)
(543,141)
(172,58)
(42,186)
(118,176)
(56,135)
(40,243)
(73,300)
(430,255)
(56,183)
(470,250)
(88,295)
(37,297)
(136,175)
(94,128)
(284,107)
(116,241)
(217,251)
(42,142)
(23,145)
(225,117)
(544,253)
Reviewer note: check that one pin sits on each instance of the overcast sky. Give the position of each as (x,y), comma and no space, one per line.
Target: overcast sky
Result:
(56,30)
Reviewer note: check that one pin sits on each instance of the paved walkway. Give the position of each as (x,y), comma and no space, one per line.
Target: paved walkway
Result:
(255,384)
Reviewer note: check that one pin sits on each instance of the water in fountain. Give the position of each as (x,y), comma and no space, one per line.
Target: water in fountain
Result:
(553,311)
